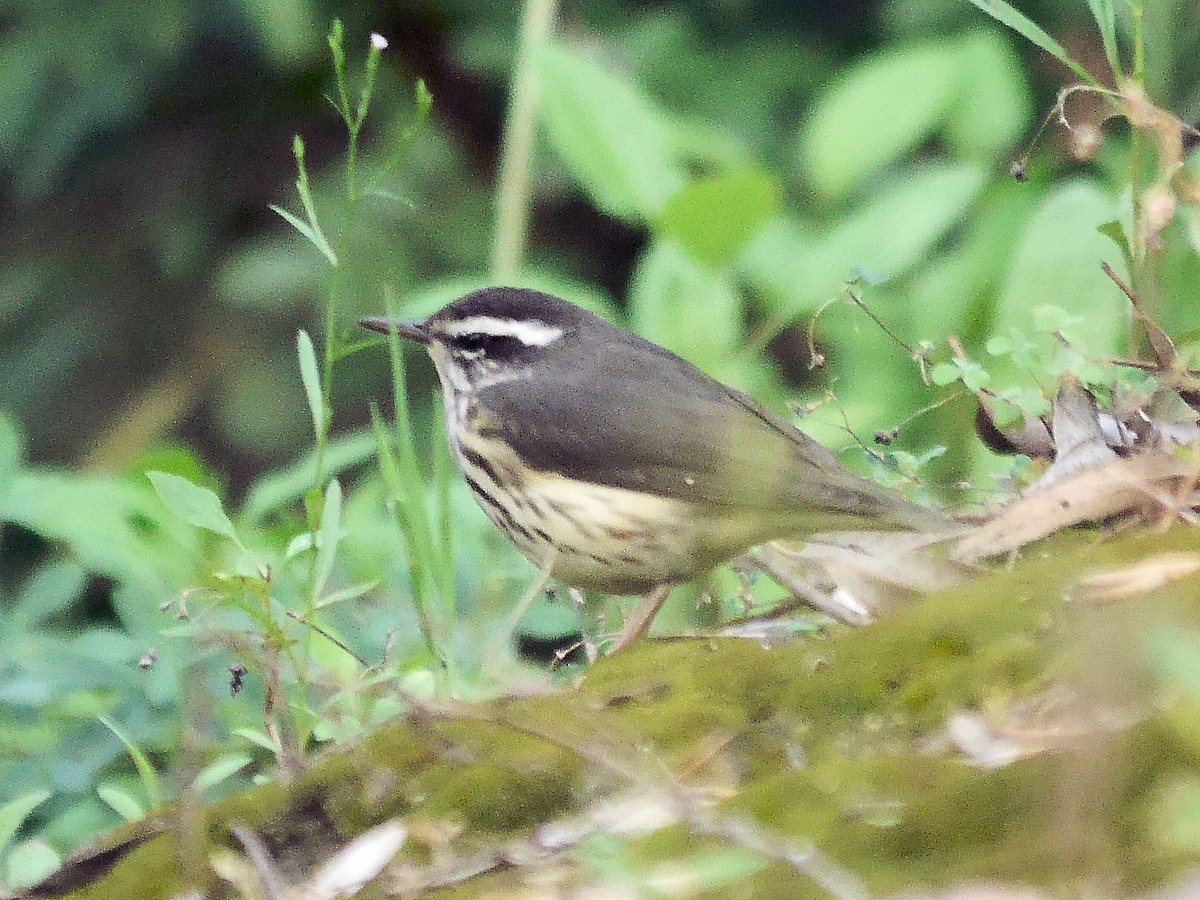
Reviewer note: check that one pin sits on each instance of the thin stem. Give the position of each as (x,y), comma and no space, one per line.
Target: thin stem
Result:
(1139,41)
(333,346)
(513,191)
(1137,250)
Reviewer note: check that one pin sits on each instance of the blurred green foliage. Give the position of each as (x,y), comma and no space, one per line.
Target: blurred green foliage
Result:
(712,173)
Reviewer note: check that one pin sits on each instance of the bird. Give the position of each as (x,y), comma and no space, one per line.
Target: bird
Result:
(616,465)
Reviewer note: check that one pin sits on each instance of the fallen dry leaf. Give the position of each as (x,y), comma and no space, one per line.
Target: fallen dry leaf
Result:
(1134,580)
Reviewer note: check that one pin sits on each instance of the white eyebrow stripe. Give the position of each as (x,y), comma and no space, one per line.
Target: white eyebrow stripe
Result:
(530,332)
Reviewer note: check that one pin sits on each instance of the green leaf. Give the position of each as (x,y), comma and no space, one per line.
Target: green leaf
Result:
(1106,20)
(221,769)
(10,451)
(196,505)
(612,138)
(944,373)
(776,263)
(1057,266)
(797,266)
(895,229)
(310,375)
(30,862)
(267,272)
(714,217)
(327,536)
(16,811)
(114,527)
(975,376)
(971,373)
(994,104)
(855,128)
(123,803)
(141,762)
(1005,14)
(670,287)
(1115,232)
(301,543)
(335,660)
(351,593)
(258,738)
(50,589)
(289,483)
(712,870)
(314,236)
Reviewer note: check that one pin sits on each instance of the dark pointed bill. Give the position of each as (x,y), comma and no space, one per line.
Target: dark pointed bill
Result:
(412,330)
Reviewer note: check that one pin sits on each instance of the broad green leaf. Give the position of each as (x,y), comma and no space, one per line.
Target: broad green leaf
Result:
(50,589)
(877,112)
(613,139)
(896,228)
(953,287)
(670,287)
(267,272)
(196,505)
(797,266)
(1007,15)
(714,217)
(1115,232)
(30,862)
(310,375)
(114,527)
(944,373)
(993,105)
(776,263)
(1057,264)
(15,811)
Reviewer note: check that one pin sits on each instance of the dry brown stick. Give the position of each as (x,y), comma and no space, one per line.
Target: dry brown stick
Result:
(1161,344)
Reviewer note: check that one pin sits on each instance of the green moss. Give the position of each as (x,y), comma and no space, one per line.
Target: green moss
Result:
(836,741)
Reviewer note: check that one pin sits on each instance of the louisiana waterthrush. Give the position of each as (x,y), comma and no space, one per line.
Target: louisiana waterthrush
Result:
(616,465)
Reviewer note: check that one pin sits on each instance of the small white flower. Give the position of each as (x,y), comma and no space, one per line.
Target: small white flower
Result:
(378,41)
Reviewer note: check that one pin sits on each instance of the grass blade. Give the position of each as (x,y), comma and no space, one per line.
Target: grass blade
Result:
(1013,18)
(1106,20)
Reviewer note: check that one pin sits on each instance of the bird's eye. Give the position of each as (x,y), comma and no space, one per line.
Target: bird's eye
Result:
(488,344)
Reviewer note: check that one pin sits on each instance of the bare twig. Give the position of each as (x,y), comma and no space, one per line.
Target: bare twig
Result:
(1161,344)
(858,301)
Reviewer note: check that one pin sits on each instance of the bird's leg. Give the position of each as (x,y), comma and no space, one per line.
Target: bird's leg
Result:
(643,615)
(586,631)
